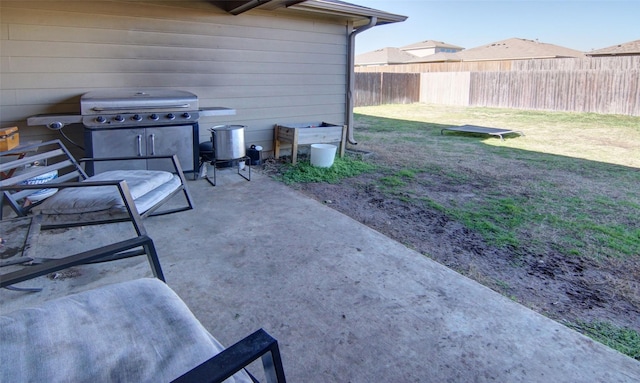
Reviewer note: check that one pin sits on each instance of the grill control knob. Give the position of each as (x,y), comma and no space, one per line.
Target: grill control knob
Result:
(154,117)
(171,116)
(136,117)
(118,118)
(56,125)
(186,115)
(100,119)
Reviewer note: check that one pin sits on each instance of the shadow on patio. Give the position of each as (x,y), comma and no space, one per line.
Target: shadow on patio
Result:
(346,303)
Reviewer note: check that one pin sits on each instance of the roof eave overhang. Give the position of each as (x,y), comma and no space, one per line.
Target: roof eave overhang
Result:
(236,7)
(434,61)
(516,58)
(611,54)
(358,14)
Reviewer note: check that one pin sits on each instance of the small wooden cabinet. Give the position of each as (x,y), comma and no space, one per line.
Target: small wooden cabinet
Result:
(307,134)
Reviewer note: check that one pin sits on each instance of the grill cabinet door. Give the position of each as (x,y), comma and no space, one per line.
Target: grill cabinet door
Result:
(133,142)
(116,143)
(169,140)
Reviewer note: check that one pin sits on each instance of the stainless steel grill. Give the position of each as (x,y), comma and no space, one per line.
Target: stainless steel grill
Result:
(135,123)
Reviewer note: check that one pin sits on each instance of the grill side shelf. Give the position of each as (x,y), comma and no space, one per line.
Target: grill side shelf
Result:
(54,121)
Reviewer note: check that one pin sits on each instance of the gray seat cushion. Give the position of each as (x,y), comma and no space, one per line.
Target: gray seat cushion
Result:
(147,188)
(137,331)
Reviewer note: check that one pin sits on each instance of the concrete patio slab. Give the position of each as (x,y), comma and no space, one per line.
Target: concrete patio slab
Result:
(346,303)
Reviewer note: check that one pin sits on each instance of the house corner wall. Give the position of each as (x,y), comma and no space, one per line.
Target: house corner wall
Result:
(271,66)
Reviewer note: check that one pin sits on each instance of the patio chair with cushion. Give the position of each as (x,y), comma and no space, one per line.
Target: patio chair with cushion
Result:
(59,189)
(134,331)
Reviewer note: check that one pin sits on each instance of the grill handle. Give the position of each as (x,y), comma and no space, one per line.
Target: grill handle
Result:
(139,107)
(139,145)
(153,144)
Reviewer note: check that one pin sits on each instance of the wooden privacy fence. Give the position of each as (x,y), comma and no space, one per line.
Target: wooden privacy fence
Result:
(569,63)
(445,88)
(607,85)
(584,63)
(595,91)
(459,66)
(386,88)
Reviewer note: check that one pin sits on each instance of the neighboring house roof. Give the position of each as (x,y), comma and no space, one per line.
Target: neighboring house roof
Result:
(510,49)
(430,44)
(437,57)
(625,49)
(517,49)
(384,56)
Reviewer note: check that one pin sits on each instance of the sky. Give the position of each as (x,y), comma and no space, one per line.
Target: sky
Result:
(581,25)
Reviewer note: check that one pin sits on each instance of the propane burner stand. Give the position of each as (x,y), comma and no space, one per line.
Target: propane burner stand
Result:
(215,163)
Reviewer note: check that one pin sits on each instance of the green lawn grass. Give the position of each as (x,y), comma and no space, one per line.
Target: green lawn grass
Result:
(571,183)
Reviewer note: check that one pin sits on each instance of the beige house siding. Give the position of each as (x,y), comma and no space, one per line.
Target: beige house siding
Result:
(272,67)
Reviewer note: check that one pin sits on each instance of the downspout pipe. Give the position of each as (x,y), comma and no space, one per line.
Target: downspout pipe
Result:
(351,76)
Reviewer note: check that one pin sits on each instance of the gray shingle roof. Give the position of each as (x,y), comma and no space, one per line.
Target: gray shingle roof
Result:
(430,44)
(384,56)
(630,48)
(510,49)
(516,48)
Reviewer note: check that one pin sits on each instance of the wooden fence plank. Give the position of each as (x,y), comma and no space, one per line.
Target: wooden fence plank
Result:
(386,88)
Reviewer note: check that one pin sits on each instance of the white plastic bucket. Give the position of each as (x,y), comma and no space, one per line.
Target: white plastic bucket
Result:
(322,155)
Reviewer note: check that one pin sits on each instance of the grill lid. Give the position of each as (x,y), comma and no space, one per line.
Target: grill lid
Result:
(104,109)
(127,101)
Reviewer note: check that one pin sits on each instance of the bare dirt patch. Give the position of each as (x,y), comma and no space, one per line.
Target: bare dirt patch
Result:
(566,289)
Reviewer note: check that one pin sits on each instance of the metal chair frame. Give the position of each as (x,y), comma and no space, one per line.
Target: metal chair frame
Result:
(58,158)
(119,250)
(237,357)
